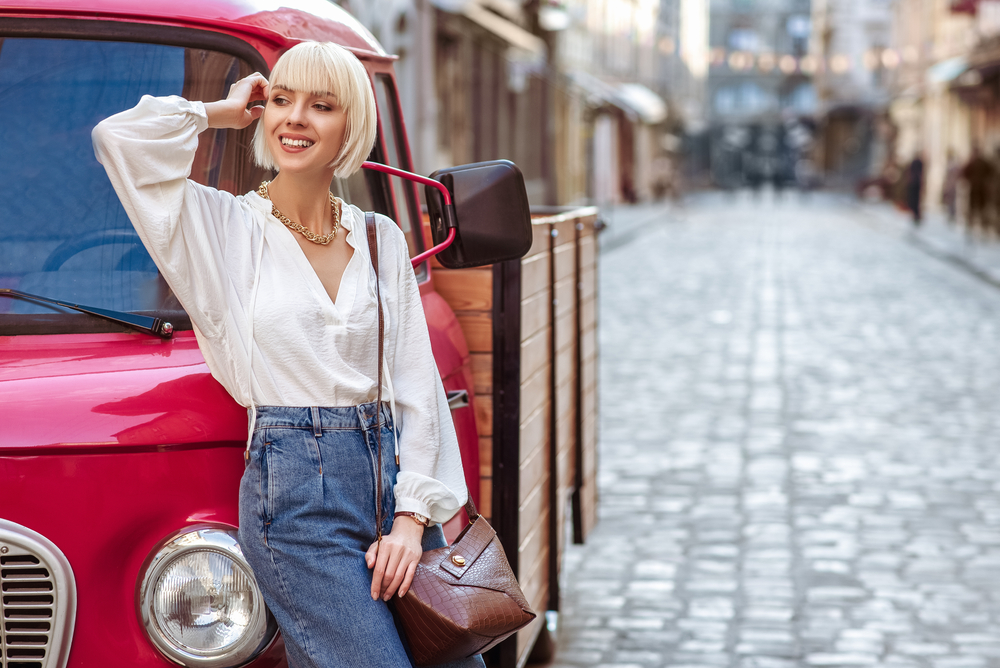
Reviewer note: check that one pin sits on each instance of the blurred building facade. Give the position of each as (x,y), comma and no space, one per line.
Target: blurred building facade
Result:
(588,97)
(761,98)
(850,39)
(945,84)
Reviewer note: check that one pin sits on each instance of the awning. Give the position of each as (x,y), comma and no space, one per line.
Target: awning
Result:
(650,106)
(506,30)
(947,70)
(638,102)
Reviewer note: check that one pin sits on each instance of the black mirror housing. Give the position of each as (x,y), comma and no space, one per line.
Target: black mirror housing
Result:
(491,214)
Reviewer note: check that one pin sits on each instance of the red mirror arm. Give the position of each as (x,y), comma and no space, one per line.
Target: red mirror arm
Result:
(410,176)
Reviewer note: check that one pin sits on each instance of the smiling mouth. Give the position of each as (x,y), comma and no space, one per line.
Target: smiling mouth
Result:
(298,143)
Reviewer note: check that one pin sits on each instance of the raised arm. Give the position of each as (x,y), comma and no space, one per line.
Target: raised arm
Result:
(189,230)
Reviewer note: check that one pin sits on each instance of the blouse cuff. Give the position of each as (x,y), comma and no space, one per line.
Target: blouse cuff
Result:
(417,493)
(171,105)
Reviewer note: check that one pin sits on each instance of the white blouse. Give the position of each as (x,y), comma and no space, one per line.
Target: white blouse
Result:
(268,329)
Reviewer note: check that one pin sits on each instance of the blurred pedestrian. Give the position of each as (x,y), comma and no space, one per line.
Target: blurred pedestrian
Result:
(978,173)
(949,193)
(915,187)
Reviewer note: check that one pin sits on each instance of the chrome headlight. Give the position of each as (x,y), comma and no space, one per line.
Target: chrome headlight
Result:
(199,602)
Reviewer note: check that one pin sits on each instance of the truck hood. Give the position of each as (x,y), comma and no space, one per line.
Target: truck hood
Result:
(94,392)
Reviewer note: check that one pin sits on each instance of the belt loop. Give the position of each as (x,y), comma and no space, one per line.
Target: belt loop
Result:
(317,421)
(362,418)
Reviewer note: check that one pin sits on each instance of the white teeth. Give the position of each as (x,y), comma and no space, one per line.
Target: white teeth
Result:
(296,142)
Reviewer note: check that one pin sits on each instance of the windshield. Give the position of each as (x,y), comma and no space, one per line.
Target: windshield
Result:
(63,232)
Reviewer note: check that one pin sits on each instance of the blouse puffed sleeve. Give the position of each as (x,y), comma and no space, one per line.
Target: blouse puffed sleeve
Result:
(188,229)
(431,480)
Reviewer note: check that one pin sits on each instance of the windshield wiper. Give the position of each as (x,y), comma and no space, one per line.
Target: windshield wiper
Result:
(144,323)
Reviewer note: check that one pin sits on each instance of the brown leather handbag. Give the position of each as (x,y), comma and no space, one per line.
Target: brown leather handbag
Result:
(464,598)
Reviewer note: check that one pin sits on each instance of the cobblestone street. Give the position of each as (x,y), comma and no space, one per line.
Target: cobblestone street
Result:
(800,446)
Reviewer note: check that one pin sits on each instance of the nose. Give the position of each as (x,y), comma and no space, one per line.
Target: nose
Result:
(297,114)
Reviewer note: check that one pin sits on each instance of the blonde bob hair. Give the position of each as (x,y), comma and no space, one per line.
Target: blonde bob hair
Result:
(321,67)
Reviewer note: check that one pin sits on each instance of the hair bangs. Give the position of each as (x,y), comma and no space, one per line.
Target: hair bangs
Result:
(308,71)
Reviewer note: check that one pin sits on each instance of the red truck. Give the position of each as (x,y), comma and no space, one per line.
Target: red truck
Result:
(120,455)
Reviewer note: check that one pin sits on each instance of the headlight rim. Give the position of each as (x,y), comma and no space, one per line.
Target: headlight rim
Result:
(201,537)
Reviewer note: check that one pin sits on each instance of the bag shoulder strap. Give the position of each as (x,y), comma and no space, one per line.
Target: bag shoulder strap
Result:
(373,254)
(470,506)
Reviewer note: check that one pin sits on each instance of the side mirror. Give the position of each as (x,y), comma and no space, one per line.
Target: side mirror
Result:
(490,213)
(479,212)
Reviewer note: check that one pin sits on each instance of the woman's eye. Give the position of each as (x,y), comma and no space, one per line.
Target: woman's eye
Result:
(279,101)
(324,107)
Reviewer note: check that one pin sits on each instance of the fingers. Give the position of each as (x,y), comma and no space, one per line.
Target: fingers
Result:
(378,570)
(396,571)
(408,578)
(385,571)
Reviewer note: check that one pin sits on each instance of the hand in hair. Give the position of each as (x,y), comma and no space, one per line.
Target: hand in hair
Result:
(232,112)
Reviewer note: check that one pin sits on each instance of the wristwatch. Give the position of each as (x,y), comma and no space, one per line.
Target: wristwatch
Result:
(422,520)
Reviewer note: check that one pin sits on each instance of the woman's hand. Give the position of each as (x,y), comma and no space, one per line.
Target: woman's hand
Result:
(395,560)
(232,112)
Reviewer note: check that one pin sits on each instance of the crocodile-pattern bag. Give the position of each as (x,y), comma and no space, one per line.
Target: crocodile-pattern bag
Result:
(464,598)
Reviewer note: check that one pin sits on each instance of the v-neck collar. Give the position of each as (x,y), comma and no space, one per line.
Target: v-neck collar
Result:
(340,307)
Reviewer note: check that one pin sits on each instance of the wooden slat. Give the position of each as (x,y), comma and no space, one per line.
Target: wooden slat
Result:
(532,508)
(466,289)
(535,313)
(588,344)
(566,233)
(564,466)
(540,235)
(564,258)
(588,313)
(485,456)
(565,292)
(478,330)
(534,431)
(486,497)
(532,470)
(565,365)
(484,415)
(565,332)
(535,274)
(534,353)
(533,543)
(482,372)
(588,374)
(587,256)
(534,392)
(588,283)
(565,407)
(526,637)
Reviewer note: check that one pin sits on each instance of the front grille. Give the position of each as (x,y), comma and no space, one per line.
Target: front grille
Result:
(37,600)
(28,609)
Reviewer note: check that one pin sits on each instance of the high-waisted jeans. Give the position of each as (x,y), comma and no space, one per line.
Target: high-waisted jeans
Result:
(307,517)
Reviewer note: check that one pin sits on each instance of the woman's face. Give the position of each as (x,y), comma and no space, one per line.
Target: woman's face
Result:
(304,131)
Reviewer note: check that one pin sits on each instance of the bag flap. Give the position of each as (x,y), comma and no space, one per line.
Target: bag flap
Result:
(470,544)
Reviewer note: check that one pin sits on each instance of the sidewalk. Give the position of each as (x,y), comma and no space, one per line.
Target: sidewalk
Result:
(627,221)
(948,242)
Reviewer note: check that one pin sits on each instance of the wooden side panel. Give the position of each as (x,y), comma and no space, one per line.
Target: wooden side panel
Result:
(556,414)
(469,292)
(564,260)
(587,424)
(536,415)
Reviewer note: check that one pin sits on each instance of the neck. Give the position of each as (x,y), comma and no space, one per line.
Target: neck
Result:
(305,198)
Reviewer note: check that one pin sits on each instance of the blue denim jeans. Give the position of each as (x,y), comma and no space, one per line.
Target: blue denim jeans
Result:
(307,517)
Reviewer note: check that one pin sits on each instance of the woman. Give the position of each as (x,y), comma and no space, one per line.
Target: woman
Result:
(281,293)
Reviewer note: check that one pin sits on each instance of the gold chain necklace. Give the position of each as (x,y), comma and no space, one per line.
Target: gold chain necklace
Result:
(322,240)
